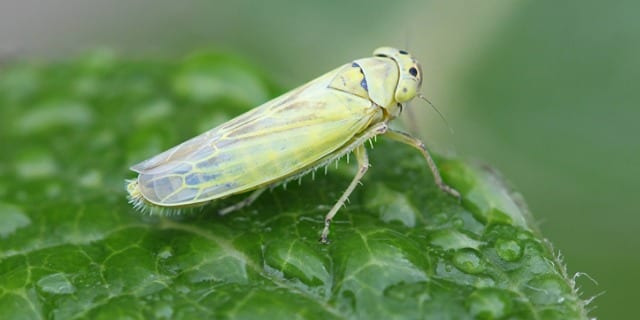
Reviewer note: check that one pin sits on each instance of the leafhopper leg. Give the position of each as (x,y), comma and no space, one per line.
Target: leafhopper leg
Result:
(363,166)
(244,203)
(416,143)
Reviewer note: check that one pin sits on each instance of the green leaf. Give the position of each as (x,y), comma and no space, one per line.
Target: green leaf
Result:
(72,247)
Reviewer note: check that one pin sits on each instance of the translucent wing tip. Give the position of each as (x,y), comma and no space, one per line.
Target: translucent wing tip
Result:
(141,204)
(135,197)
(140,166)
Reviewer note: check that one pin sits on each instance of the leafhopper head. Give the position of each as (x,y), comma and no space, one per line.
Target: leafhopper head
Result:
(409,76)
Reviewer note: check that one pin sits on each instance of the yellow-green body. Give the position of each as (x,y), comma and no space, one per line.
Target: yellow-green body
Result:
(286,137)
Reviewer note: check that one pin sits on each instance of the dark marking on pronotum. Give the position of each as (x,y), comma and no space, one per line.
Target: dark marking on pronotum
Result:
(413,71)
(363,83)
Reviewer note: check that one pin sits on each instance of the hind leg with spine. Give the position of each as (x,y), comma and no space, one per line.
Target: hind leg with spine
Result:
(363,165)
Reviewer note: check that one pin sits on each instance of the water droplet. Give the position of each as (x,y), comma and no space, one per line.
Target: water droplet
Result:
(447,271)
(451,239)
(488,303)
(56,283)
(404,291)
(13,218)
(54,115)
(36,164)
(468,260)
(508,250)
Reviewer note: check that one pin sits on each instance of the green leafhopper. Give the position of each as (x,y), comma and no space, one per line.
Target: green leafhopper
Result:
(288,137)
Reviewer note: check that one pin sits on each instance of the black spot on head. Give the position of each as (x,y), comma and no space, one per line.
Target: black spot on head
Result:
(403,52)
(382,55)
(413,71)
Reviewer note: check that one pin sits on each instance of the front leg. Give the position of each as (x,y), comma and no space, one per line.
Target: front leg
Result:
(416,143)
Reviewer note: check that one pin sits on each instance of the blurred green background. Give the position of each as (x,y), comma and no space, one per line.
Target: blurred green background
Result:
(547,92)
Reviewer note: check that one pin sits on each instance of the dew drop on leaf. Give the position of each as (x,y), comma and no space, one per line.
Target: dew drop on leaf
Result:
(451,239)
(468,261)
(508,250)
